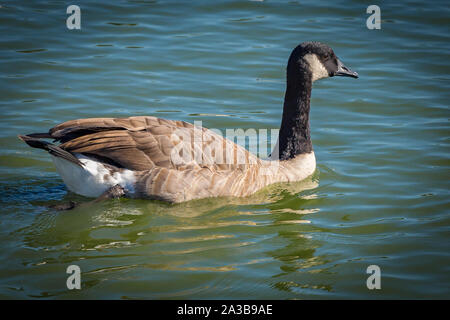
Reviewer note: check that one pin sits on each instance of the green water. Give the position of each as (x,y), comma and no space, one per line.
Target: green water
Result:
(380,194)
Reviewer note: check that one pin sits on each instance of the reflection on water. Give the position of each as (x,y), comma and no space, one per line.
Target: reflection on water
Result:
(197,236)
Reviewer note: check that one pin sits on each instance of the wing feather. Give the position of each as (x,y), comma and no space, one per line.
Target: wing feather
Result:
(141,143)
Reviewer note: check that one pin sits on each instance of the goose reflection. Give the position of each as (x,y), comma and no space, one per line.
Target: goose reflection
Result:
(223,235)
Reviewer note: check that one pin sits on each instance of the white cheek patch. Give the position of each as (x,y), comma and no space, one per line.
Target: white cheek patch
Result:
(317,68)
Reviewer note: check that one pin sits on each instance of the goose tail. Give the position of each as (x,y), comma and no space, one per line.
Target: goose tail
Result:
(34,141)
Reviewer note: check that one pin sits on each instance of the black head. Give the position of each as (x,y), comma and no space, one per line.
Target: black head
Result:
(318,60)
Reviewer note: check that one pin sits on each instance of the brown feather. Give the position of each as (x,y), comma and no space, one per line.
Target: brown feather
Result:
(154,149)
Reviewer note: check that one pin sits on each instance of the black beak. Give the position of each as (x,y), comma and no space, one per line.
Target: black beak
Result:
(343,71)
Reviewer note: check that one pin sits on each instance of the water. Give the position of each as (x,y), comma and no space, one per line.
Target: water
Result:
(380,194)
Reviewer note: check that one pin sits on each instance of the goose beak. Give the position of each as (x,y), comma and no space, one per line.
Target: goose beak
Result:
(343,71)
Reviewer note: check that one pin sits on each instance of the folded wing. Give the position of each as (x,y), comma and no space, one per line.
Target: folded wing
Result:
(143,143)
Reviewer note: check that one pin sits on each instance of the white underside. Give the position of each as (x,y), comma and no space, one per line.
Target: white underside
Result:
(93,178)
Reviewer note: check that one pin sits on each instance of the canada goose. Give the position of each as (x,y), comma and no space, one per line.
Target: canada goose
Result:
(145,157)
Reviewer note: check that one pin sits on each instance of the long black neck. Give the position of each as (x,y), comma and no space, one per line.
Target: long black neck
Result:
(294,137)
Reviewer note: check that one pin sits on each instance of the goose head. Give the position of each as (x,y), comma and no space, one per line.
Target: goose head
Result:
(315,60)
(308,62)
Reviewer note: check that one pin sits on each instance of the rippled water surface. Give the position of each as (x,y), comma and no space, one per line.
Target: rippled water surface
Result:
(380,194)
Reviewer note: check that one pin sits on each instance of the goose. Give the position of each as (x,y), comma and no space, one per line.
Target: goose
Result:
(176,161)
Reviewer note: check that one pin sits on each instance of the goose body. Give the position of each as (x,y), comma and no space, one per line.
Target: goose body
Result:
(176,161)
